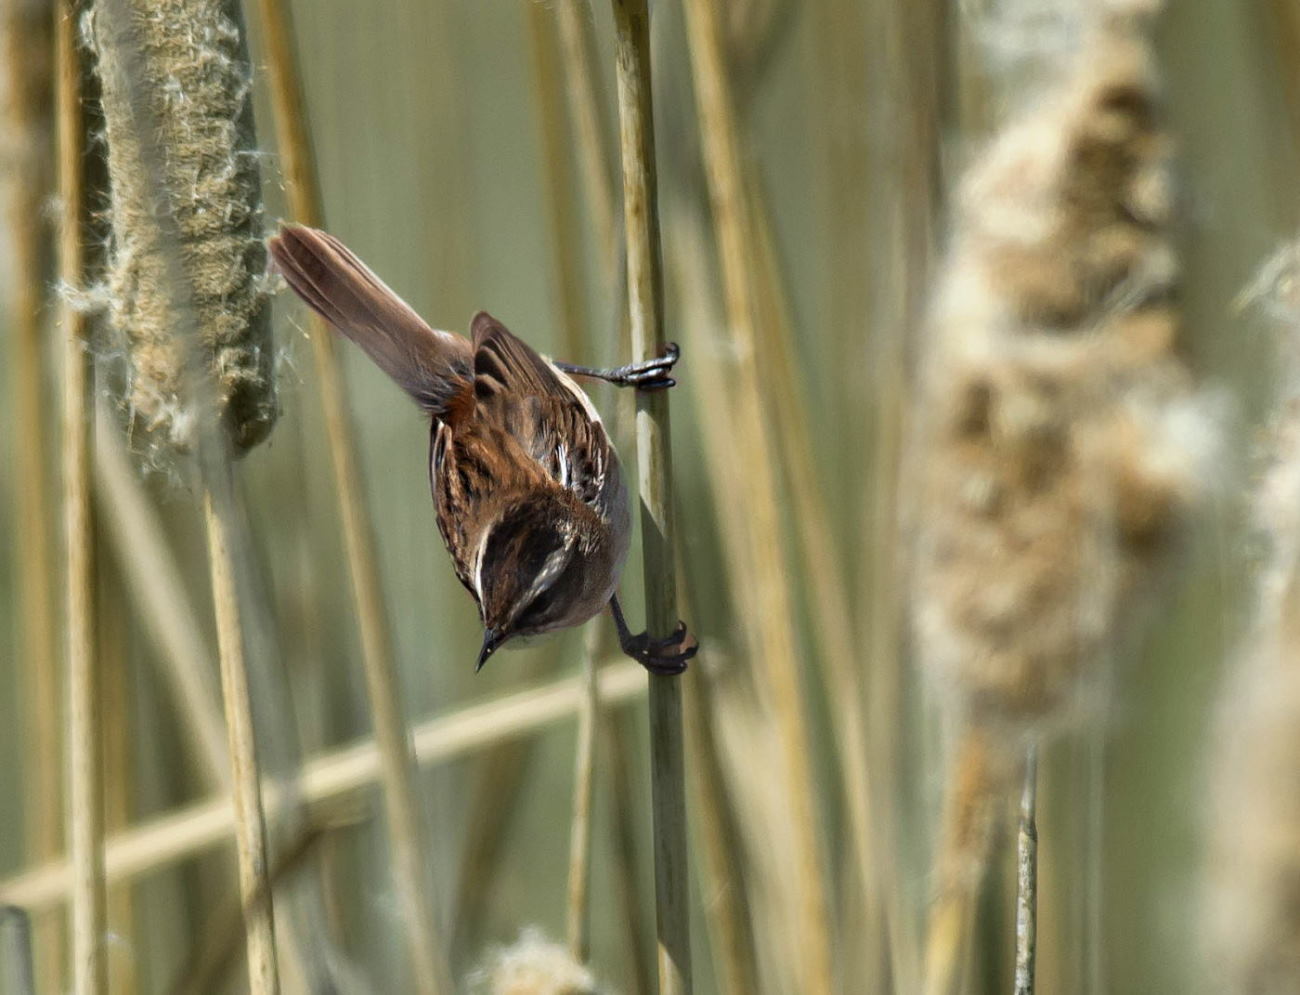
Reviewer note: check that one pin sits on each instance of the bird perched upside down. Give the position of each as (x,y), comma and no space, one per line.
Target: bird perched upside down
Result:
(527,489)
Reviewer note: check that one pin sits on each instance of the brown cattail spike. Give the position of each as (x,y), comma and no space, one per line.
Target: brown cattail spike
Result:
(195,90)
(1059,425)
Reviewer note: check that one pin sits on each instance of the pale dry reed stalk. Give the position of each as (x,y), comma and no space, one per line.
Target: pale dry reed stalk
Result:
(654,465)
(84,750)
(120,782)
(575,339)
(185,289)
(426,947)
(622,809)
(1062,443)
(153,576)
(25,146)
(726,868)
(1251,914)
(774,643)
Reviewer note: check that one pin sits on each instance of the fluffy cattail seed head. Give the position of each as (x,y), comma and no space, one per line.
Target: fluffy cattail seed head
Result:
(1252,898)
(194,91)
(1055,456)
(532,966)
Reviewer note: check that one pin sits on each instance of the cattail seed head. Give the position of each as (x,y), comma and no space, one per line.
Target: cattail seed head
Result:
(1055,464)
(533,966)
(1252,898)
(195,93)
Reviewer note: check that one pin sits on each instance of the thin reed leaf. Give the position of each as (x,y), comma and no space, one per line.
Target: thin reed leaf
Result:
(776,648)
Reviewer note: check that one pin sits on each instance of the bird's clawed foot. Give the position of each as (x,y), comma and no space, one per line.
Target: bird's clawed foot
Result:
(650,374)
(667,656)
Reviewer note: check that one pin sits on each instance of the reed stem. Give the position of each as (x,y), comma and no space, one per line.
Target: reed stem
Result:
(329,778)
(85,730)
(16,951)
(622,806)
(736,234)
(1027,878)
(249,818)
(152,575)
(654,460)
(426,947)
(576,44)
(26,32)
(573,322)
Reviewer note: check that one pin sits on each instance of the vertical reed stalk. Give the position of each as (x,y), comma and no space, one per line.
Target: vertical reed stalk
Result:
(578,929)
(119,772)
(573,321)
(250,821)
(723,847)
(736,233)
(85,731)
(622,804)
(16,951)
(728,912)
(842,661)
(26,40)
(963,849)
(576,44)
(150,571)
(426,947)
(654,463)
(1027,878)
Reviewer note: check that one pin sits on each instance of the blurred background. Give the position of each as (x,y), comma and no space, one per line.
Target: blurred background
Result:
(450,160)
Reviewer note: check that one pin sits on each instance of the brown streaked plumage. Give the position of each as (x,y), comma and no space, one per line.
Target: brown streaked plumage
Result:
(527,489)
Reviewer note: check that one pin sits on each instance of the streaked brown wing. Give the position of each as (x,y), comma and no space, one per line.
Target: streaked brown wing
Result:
(430,365)
(542,409)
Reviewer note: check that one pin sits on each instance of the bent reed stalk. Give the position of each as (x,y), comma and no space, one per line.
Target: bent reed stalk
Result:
(1063,444)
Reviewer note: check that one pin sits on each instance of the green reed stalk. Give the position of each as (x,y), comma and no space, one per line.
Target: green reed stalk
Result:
(654,463)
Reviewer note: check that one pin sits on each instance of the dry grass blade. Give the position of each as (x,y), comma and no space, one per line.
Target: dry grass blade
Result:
(331,778)
(654,463)
(85,732)
(410,872)
(736,234)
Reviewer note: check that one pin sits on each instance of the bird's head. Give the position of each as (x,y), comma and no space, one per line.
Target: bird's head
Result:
(537,568)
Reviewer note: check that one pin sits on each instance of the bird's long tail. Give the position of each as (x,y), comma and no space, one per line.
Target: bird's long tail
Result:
(434,367)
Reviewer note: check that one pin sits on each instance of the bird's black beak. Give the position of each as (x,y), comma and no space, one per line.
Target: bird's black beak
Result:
(491,640)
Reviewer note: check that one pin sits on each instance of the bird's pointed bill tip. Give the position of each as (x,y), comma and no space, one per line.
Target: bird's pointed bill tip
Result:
(491,640)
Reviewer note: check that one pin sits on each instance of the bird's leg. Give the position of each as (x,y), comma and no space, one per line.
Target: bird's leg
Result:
(651,374)
(659,656)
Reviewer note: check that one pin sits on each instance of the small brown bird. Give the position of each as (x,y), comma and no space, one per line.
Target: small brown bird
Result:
(527,489)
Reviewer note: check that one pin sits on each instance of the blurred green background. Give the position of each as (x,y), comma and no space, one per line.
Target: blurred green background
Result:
(426,125)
